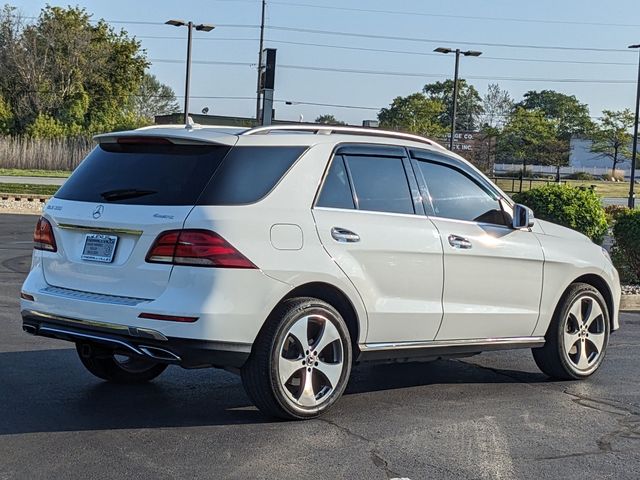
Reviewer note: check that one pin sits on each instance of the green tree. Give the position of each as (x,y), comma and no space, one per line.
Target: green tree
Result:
(497,105)
(414,114)
(154,98)
(329,119)
(469,103)
(572,117)
(526,138)
(6,119)
(612,137)
(65,68)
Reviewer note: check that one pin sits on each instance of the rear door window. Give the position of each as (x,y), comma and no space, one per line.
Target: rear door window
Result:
(336,190)
(380,183)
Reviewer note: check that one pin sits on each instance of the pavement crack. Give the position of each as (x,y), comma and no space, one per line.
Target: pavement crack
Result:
(383,465)
(377,458)
(346,430)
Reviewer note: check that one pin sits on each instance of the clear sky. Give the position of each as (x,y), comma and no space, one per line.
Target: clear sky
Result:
(596,32)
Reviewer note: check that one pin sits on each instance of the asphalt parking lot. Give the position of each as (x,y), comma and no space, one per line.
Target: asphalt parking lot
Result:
(489,416)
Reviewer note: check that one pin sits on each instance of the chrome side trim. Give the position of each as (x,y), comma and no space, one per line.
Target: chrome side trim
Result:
(109,327)
(479,342)
(93,297)
(86,228)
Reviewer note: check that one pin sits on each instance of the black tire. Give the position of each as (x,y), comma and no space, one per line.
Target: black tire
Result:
(553,358)
(102,363)
(260,374)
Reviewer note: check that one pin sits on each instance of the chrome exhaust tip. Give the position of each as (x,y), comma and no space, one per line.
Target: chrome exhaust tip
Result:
(31,329)
(159,354)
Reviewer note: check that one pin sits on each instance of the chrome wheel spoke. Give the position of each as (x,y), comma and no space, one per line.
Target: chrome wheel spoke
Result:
(593,313)
(582,361)
(570,340)
(332,371)
(308,397)
(597,340)
(576,312)
(300,331)
(286,368)
(329,335)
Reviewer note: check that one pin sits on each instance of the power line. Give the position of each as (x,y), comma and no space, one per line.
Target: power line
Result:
(407,74)
(428,40)
(440,15)
(384,50)
(429,54)
(216,39)
(144,22)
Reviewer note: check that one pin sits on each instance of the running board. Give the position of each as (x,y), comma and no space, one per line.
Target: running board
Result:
(438,348)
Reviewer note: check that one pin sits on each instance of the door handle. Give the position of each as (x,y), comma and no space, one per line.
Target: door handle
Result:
(457,241)
(344,236)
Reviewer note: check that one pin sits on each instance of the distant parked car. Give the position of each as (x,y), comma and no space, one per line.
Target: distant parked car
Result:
(289,253)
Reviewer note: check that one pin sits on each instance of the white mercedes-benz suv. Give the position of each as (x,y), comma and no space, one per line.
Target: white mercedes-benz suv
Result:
(289,253)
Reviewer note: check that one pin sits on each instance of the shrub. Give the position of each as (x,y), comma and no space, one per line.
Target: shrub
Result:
(613,212)
(618,176)
(573,207)
(580,176)
(626,250)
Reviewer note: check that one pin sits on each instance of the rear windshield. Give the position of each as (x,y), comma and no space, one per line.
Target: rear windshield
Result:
(141,174)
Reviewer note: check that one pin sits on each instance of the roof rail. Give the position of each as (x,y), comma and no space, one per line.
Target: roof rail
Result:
(329,129)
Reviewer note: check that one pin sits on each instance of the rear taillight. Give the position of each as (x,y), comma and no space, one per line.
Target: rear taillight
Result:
(43,238)
(199,248)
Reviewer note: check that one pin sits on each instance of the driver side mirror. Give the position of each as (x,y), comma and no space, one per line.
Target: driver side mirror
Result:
(522,216)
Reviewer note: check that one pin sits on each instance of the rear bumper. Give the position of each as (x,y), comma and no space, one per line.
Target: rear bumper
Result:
(143,342)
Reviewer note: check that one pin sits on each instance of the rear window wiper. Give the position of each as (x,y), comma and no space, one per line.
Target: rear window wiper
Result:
(125,193)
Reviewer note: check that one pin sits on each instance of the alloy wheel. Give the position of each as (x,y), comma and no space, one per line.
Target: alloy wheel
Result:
(584,335)
(311,361)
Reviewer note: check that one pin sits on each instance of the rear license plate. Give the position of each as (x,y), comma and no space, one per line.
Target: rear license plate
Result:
(99,248)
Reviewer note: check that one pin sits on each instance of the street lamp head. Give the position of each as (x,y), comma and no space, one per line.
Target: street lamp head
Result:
(204,27)
(634,46)
(176,23)
(471,53)
(443,50)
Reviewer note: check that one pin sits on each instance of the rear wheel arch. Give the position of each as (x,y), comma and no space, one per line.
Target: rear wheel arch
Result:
(334,297)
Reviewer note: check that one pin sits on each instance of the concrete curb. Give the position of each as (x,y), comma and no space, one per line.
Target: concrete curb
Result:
(630,303)
(24,197)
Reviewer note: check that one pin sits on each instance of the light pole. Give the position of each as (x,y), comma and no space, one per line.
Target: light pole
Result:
(202,27)
(259,87)
(458,52)
(634,154)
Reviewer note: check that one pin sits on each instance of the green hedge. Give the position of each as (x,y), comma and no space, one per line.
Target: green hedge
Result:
(574,207)
(626,250)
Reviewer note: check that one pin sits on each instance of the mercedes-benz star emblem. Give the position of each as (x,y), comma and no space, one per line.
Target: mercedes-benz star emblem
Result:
(97,212)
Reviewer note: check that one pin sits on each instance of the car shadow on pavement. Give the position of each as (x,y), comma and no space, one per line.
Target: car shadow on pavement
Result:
(49,391)
(391,376)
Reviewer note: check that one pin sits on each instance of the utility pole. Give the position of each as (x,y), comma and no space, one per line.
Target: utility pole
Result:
(259,87)
(268,84)
(632,196)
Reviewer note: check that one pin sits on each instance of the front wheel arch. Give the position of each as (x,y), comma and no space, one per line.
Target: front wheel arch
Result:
(602,286)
